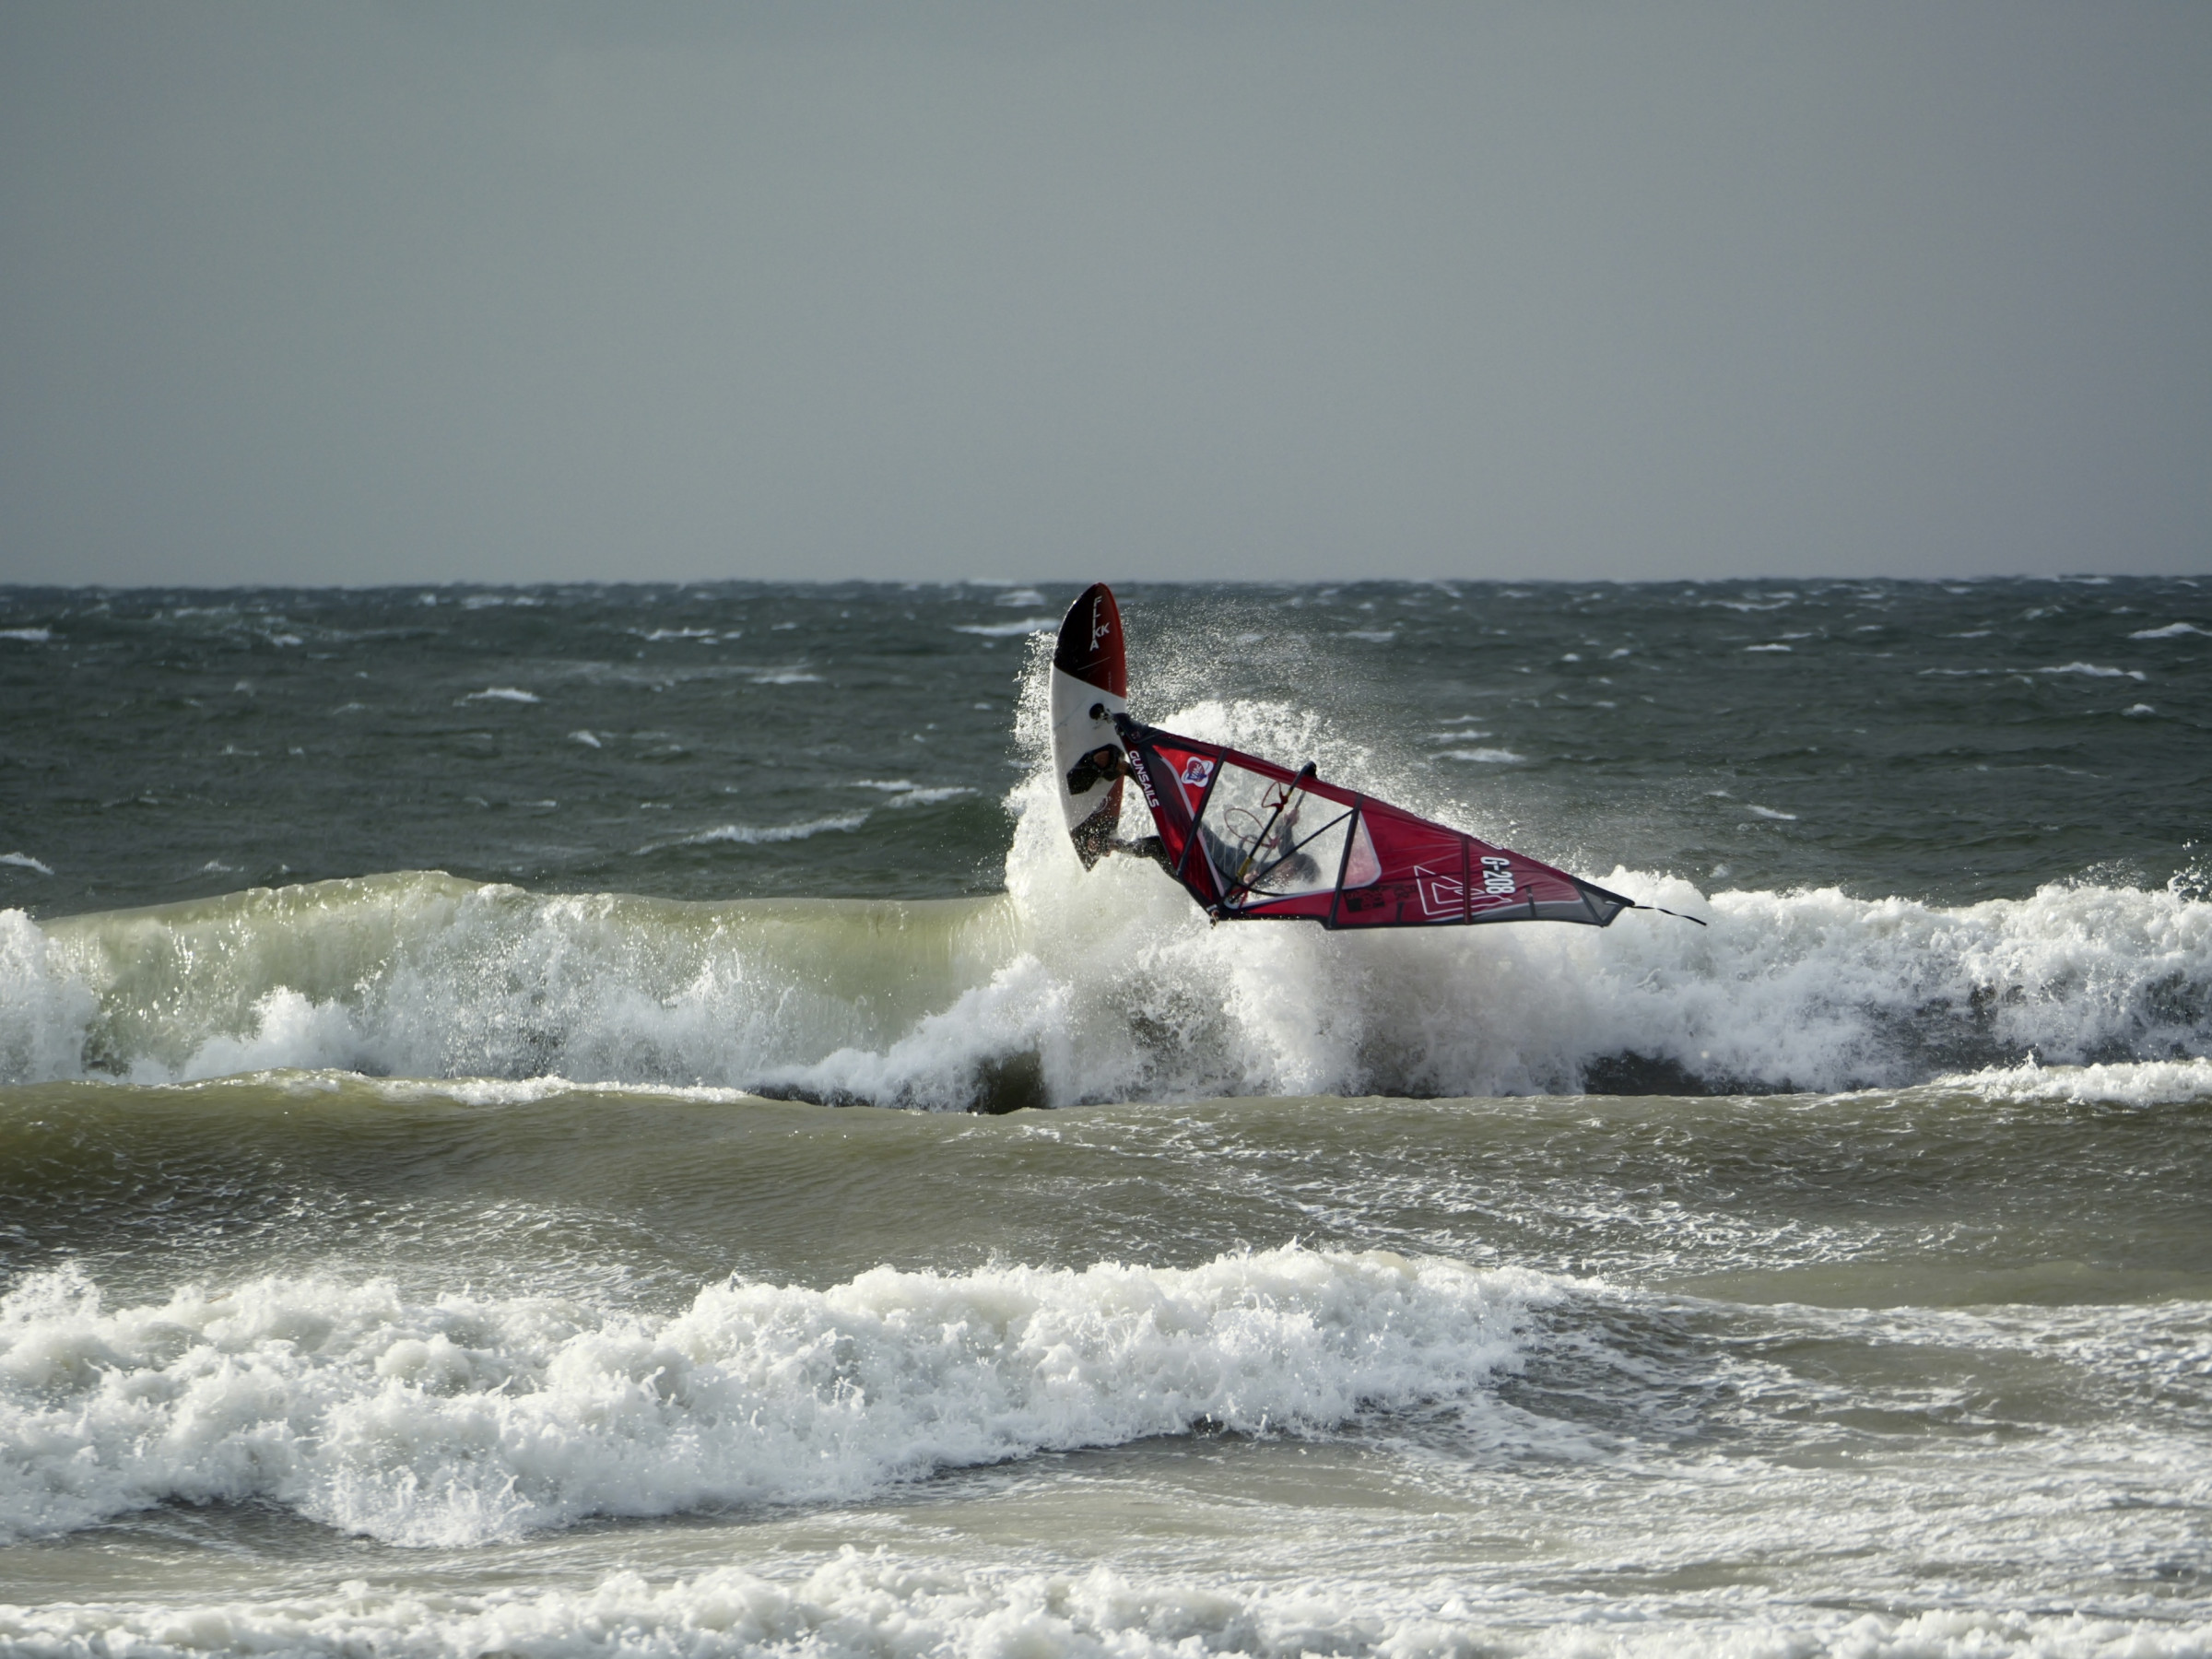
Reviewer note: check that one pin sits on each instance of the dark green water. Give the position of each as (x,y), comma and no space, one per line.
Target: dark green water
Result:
(1947,742)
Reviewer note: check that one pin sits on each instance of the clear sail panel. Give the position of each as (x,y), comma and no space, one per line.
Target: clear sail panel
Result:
(1268,840)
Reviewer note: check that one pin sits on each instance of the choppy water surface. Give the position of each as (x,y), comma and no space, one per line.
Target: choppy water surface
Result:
(399,1252)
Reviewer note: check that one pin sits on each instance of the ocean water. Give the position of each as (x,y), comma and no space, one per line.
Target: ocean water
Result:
(611,1121)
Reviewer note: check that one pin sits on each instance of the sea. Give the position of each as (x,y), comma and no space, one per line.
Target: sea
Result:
(609,1119)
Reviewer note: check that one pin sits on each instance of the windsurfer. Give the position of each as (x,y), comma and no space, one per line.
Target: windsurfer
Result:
(1103,765)
(1272,864)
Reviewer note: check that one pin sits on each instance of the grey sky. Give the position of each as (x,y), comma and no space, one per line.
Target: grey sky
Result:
(297,292)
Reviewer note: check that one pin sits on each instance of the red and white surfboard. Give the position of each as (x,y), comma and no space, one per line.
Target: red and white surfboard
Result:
(1090,686)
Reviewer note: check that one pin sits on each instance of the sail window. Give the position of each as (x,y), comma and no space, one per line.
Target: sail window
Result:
(1268,840)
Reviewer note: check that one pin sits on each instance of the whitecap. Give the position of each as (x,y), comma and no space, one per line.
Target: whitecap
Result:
(2095,671)
(783,677)
(929,797)
(2172,630)
(1485,756)
(30,636)
(502,694)
(1768,812)
(905,792)
(1766,648)
(589,740)
(1378,636)
(1004,631)
(751,835)
(25,861)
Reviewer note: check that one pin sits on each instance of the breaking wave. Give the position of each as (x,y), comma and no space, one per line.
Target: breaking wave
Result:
(1101,986)
(470,1418)
(1079,986)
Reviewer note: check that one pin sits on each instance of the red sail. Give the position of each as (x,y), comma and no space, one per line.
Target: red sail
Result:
(1252,838)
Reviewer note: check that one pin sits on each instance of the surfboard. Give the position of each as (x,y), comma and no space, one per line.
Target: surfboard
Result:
(1090,686)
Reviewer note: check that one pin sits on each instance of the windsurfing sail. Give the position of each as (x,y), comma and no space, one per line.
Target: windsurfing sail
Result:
(1249,838)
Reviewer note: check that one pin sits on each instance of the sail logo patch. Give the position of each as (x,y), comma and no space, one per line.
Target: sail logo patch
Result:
(1447,895)
(1441,895)
(1197,771)
(1144,779)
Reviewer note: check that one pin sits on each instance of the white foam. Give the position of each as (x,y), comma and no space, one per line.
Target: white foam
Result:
(1481,757)
(879,1607)
(30,636)
(2132,1083)
(1770,812)
(289,1031)
(471,1418)
(24,861)
(502,694)
(2172,631)
(492,1091)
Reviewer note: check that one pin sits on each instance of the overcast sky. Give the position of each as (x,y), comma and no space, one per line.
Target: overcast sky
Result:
(411,291)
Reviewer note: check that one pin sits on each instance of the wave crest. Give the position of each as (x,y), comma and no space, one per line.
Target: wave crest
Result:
(470,1418)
